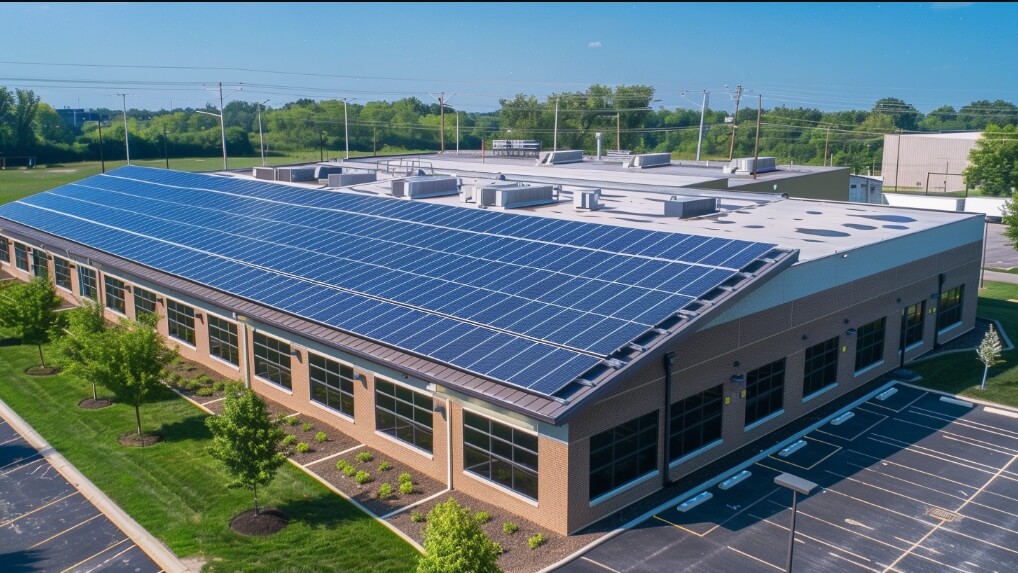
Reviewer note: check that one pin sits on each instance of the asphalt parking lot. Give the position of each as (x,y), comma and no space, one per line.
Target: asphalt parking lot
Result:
(910,483)
(48,525)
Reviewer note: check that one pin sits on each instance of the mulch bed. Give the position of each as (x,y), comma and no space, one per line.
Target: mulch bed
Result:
(95,403)
(265,522)
(132,439)
(42,370)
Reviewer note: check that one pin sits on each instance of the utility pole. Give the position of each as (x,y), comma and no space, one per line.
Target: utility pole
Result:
(827,143)
(166,149)
(756,146)
(618,131)
(127,141)
(102,158)
(442,100)
(261,138)
(735,122)
(346,130)
(703,108)
(222,124)
(897,162)
(554,140)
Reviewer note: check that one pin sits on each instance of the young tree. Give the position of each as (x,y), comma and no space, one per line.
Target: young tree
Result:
(455,543)
(989,353)
(247,441)
(81,326)
(30,308)
(993,162)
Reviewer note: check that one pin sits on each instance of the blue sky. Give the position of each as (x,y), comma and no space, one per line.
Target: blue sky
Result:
(831,56)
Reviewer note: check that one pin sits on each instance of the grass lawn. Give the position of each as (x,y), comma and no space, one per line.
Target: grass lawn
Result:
(960,373)
(177,491)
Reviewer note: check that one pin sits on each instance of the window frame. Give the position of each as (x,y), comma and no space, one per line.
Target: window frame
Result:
(757,395)
(411,423)
(5,250)
(285,381)
(109,292)
(951,307)
(232,341)
(681,429)
(60,263)
(172,323)
(867,341)
(141,294)
(914,324)
(39,258)
(501,450)
(21,256)
(92,282)
(820,366)
(621,453)
(341,390)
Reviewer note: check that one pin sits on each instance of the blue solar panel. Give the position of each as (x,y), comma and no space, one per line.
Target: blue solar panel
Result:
(373,266)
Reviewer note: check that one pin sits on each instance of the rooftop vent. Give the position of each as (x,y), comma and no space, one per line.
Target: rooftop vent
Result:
(745,165)
(295,174)
(324,171)
(587,199)
(645,160)
(685,207)
(512,195)
(560,157)
(422,187)
(346,179)
(264,173)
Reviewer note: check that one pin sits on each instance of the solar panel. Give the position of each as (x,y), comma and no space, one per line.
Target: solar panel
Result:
(489,287)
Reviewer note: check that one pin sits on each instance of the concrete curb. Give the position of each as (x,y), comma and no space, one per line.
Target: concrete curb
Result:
(142,538)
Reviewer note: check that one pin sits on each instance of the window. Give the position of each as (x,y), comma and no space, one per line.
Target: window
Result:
(21,256)
(223,340)
(88,286)
(500,453)
(696,421)
(821,368)
(115,295)
(180,321)
(5,250)
(62,273)
(915,319)
(144,302)
(765,390)
(869,348)
(950,306)
(272,360)
(331,383)
(404,414)
(623,454)
(40,267)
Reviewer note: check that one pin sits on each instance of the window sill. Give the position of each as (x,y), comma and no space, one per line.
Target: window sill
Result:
(332,411)
(868,368)
(949,328)
(274,385)
(501,488)
(225,362)
(406,445)
(913,346)
(823,390)
(702,449)
(624,488)
(764,420)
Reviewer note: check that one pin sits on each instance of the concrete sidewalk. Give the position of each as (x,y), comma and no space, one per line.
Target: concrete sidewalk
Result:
(142,538)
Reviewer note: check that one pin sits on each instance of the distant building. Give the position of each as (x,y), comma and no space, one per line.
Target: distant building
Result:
(928,162)
(76,118)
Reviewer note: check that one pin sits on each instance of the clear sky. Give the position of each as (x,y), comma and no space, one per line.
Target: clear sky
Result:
(826,55)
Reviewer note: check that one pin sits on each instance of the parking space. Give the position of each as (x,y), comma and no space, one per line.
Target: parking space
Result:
(48,525)
(907,483)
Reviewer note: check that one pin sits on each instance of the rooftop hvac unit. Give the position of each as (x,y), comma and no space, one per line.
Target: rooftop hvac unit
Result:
(745,165)
(560,157)
(513,195)
(264,173)
(324,171)
(685,207)
(587,199)
(422,187)
(347,179)
(295,174)
(645,160)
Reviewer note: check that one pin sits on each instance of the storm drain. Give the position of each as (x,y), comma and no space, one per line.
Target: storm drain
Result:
(943,514)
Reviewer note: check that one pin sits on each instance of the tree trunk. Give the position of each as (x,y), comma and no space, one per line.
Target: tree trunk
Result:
(255,488)
(41,359)
(986,370)
(137,416)
(95,395)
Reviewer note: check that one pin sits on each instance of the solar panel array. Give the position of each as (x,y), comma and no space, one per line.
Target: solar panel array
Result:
(534,302)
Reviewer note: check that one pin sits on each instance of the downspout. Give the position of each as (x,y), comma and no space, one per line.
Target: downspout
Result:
(244,355)
(448,442)
(936,329)
(669,361)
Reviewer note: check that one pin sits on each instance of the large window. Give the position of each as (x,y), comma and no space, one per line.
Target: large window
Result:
(88,285)
(144,302)
(331,383)
(5,250)
(115,295)
(223,340)
(40,267)
(821,368)
(869,348)
(62,273)
(915,320)
(696,421)
(623,454)
(404,414)
(950,306)
(180,321)
(500,453)
(765,391)
(272,360)
(21,256)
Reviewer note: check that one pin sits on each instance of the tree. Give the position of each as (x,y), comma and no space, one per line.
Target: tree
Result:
(246,441)
(905,115)
(989,353)
(993,162)
(30,308)
(82,324)
(455,543)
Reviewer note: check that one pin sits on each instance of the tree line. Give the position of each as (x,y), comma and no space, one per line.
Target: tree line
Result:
(627,117)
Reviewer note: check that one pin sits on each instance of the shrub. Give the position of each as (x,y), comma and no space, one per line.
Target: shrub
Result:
(293,420)
(405,477)
(362,477)
(510,527)
(219,385)
(289,439)
(307,427)
(341,465)
(204,391)
(321,438)
(417,517)
(482,517)
(365,456)
(203,380)
(498,548)
(454,542)
(406,487)
(536,540)
(384,466)
(385,491)
(349,470)
(303,447)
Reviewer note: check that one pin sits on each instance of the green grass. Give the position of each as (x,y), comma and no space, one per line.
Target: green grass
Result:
(960,373)
(177,492)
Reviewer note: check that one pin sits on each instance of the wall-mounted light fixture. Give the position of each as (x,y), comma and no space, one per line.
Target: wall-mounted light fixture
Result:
(738,378)
(851,332)
(296,353)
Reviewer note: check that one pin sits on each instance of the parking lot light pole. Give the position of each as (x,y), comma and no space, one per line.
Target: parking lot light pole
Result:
(797,485)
